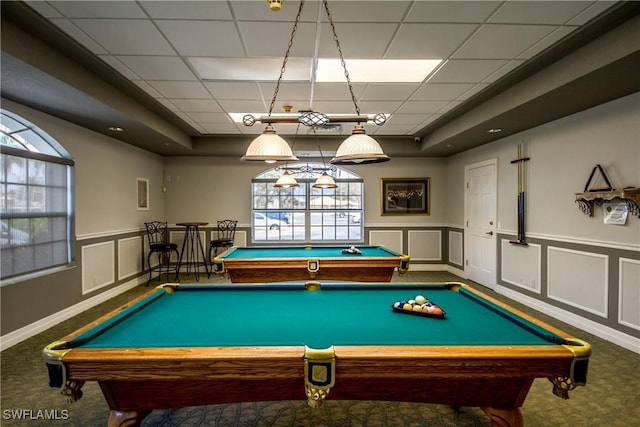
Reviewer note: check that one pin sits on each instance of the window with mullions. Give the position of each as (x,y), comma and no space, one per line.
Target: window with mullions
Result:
(35,198)
(304,213)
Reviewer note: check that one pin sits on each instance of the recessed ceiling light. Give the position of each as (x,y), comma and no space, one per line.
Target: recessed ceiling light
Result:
(115,129)
(494,130)
(376,70)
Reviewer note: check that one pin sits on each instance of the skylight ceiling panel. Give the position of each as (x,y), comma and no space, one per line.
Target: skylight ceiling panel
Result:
(250,69)
(203,38)
(172,89)
(538,12)
(126,36)
(271,39)
(218,10)
(466,70)
(158,67)
(430,41)
(499,41)
(452,11)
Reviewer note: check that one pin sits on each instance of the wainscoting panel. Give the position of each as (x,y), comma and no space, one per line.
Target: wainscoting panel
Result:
(98,266)
(240,239)
(425,245)
(521,265)
(128,257)
(629,302)
(579,279)
(456,247)
(391,239)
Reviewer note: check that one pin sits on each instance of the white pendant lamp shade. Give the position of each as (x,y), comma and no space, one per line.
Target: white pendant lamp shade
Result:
(269,147)
(359,148)
(325,181)
(286,181)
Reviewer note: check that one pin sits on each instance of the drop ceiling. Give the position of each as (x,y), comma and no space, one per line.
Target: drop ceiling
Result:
(156,55)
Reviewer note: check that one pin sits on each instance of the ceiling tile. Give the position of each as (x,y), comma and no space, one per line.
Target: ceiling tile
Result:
(430,41)
(169,89)
(393,91)
(261,69)
(119,67)
(81,37)
(374,107)
(271,39)
(197,105)
(234,90)
(357,40)
(168,104)
(218,10)
(209,117)
(538,12)
(504,70)
(440,91)
(148,88)
(499,41)
(451,11)
(591,12)
(126,36)
(388,129)
(337,91)
(242,106)
(99,9)
(404,119)
(424,107)
(258,10)
(288,91)
(366,11)
(158,67)
(466,70)
(203,38)
(552,38)
(219,128)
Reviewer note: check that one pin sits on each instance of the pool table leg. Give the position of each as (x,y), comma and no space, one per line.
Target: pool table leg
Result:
(125,418)
(510,417)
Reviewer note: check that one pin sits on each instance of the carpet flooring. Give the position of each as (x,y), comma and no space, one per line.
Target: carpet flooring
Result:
(610,398)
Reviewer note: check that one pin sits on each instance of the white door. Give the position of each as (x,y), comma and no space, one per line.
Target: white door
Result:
(480,222)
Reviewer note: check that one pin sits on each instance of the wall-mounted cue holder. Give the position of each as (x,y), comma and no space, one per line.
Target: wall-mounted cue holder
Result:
(596,197)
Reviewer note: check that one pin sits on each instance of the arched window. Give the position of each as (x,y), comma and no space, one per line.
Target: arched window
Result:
(305,213)
(35,198)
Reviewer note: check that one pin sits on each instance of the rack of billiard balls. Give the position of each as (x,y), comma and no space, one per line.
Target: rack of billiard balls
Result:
(419,306)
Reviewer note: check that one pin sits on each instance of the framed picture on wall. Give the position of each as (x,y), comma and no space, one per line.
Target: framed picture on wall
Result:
(143,194)
(405,196)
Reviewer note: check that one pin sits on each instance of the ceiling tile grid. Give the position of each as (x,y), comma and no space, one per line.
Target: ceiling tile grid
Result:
(203,60)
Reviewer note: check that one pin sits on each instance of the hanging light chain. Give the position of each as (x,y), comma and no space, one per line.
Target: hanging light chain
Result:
(344,65)
(286,57)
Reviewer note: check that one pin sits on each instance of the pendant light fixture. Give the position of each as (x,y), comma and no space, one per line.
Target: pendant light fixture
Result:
(359,148)
(325,180)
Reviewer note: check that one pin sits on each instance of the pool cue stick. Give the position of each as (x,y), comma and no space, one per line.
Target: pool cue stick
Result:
(521,195)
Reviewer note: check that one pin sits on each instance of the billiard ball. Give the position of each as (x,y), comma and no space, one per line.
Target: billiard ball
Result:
(420,299)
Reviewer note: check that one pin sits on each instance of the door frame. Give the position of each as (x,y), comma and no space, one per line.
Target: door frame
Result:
(467,247)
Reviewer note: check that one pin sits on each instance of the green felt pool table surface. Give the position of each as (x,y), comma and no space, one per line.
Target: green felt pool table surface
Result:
(280,315)
(267,264)
(186,345)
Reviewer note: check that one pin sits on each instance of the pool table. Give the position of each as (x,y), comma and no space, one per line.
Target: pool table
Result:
(261,264)
(181,345)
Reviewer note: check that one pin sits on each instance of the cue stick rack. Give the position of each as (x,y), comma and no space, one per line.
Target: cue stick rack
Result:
(520,162)
(596,197)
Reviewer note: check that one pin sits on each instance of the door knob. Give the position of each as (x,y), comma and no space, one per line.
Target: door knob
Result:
(490,233)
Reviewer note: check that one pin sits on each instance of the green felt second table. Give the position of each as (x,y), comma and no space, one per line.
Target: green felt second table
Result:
(182,345)
(260,264)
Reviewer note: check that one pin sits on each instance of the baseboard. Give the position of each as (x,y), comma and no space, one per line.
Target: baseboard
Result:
(601,331)
(19,335)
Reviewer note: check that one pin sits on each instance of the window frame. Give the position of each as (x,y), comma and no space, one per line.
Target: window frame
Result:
(36,250)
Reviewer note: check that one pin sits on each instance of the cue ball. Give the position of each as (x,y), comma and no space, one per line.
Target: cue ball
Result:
(420,299)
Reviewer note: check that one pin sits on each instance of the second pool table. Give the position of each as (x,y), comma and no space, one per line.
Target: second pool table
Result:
(181,345)
(261,264)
